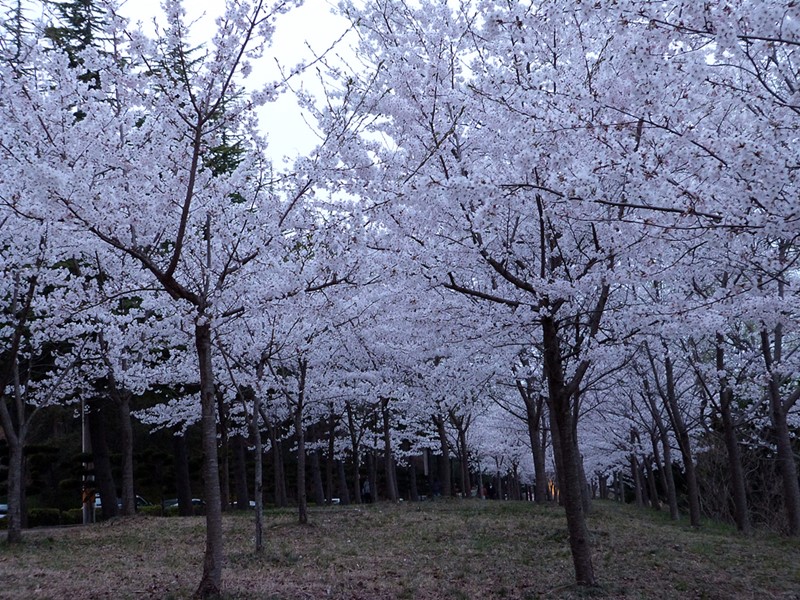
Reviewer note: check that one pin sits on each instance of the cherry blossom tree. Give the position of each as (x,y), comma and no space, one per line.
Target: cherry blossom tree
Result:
(133,175)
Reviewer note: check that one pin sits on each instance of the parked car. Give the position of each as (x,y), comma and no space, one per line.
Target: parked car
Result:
(3,511)
(174,502)
(140,502)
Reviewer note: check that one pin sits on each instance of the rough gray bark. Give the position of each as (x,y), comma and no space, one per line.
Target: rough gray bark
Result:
(211,581)
(568,459)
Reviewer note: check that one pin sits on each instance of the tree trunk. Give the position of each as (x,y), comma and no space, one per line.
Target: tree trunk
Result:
(666,446)
(444,458)
(570,482)
(787,466)
(739,489)
(316,476)
(211,581)
(388,457)
(568,463)
(281,499)
(466,482)
(778,413)
(534,410)
(372,474)
(652,491)
(15,483)
(224,455)
(302,500)
(330,459)
(128,494)
(239,447)
(103,475)
(182,478)
(412,476)
(356,451)
(258,483)
(685,445)
(344,493)
(637,480)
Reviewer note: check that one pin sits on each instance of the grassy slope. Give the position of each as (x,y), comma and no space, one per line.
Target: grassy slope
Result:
(467,549)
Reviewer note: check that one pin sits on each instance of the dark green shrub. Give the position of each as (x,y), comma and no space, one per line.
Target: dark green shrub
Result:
(150,511)
(73,516)
(44,517)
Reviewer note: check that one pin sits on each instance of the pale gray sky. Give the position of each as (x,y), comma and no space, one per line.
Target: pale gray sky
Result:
(312,23)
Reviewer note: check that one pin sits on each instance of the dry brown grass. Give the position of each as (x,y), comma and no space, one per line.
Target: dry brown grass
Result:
(454,550)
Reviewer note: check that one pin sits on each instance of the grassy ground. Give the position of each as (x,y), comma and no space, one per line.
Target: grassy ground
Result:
(443,550)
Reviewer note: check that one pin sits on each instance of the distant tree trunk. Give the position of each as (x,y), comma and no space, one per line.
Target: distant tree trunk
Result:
(104,478)
(15,479)
(619,488)
(779,412)
(603,481)
(461,424)
(444,458)
(258,479)
(302,501)
(652,491)
(182,479)
(316,477)
(211,580)
(656,471)
(330,459)
(388,456)
(128,494)
(372,474)
(355,448)
(666,446)
(344,493)
(279,480)
(739,489)
(224,454)
(637,482)
(412,475)
(239,447)
(685,445)
(534,408)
